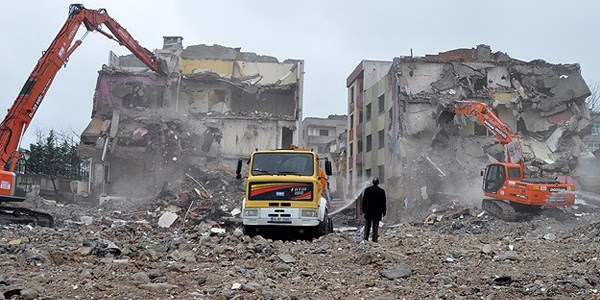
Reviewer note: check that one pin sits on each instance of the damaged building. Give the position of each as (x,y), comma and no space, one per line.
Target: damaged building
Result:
(216,105)
(394,133)
(317,133)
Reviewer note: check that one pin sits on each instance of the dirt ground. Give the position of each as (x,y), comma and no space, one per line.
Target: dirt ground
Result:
(117,250)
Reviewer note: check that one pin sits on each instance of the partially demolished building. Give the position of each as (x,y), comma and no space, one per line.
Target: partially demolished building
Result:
(217,104)
(394,132)
(318,132)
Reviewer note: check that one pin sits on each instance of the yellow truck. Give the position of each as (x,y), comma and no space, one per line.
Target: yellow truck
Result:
(286,189)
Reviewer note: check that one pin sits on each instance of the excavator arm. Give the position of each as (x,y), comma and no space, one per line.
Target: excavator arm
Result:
(21,113)
(29,99)
(485,116)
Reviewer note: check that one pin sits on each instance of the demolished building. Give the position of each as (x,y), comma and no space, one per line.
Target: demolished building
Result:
(395,133)
(216,105)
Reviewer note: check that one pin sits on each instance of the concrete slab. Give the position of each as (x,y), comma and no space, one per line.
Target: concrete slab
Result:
(167,219)
(554,140)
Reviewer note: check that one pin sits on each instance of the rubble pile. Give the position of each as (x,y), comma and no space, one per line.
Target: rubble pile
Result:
(132,259)
(544,103)
(184,243)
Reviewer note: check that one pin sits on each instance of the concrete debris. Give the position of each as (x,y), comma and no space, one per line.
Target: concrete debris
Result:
(508,255)
(542,102)
(124,252)
(402,270)
(87,220)
(286,258)
(486,249)
(236,211)
(167,219)
(550,236)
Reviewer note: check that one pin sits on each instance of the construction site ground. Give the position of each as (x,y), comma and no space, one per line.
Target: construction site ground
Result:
(127,248)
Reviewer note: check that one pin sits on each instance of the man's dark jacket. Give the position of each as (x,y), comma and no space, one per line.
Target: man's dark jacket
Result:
(373,203)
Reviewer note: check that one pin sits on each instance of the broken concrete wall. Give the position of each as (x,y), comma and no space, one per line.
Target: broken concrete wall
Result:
(118,89)
(542,102)
(242,136)
(192,66)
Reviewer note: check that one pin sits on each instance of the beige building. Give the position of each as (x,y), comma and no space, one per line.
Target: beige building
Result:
(366,119)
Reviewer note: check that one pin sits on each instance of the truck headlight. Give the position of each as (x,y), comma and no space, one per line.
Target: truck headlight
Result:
(250,212)
(309,213)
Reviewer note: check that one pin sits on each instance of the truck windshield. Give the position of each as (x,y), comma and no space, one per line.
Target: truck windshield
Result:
(283,164)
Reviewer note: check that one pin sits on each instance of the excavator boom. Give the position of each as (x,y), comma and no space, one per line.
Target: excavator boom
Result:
(30,97)
(486,117)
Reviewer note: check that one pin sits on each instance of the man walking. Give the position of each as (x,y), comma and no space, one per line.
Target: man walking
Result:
(374,207)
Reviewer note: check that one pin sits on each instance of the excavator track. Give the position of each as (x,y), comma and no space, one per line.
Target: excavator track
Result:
(505,211)
(19,215)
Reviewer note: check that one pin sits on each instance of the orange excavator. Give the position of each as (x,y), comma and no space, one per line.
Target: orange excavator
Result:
(29,99)
(511,196)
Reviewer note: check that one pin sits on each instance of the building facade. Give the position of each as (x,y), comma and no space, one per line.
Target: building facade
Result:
(317,133)
(364,83)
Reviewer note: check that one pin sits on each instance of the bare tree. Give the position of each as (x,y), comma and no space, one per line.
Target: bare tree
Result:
(593,101)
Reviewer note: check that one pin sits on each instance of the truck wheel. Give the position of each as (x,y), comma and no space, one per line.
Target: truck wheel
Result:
(323,227)
(330,225)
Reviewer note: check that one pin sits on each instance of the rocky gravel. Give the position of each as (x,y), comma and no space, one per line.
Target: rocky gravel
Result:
(454,253)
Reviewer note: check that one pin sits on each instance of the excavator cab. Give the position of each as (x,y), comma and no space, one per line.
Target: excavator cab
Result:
(495,175)
(494,178)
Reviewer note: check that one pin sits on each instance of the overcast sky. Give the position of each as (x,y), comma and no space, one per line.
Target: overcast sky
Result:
(332,37)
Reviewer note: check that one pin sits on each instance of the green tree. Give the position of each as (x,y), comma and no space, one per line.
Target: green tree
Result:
(53,157)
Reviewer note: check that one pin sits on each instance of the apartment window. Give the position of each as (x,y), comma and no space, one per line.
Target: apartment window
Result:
(381,103)
(359,146)
(351,117)
(381,139)
(593,146)
(360,116)
(369,143)
(323,132)
(368,112)
(596,129)
(368,173)
(351,94)
(381,174)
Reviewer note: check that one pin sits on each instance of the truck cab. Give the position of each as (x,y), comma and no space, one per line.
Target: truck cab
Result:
(286,189)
